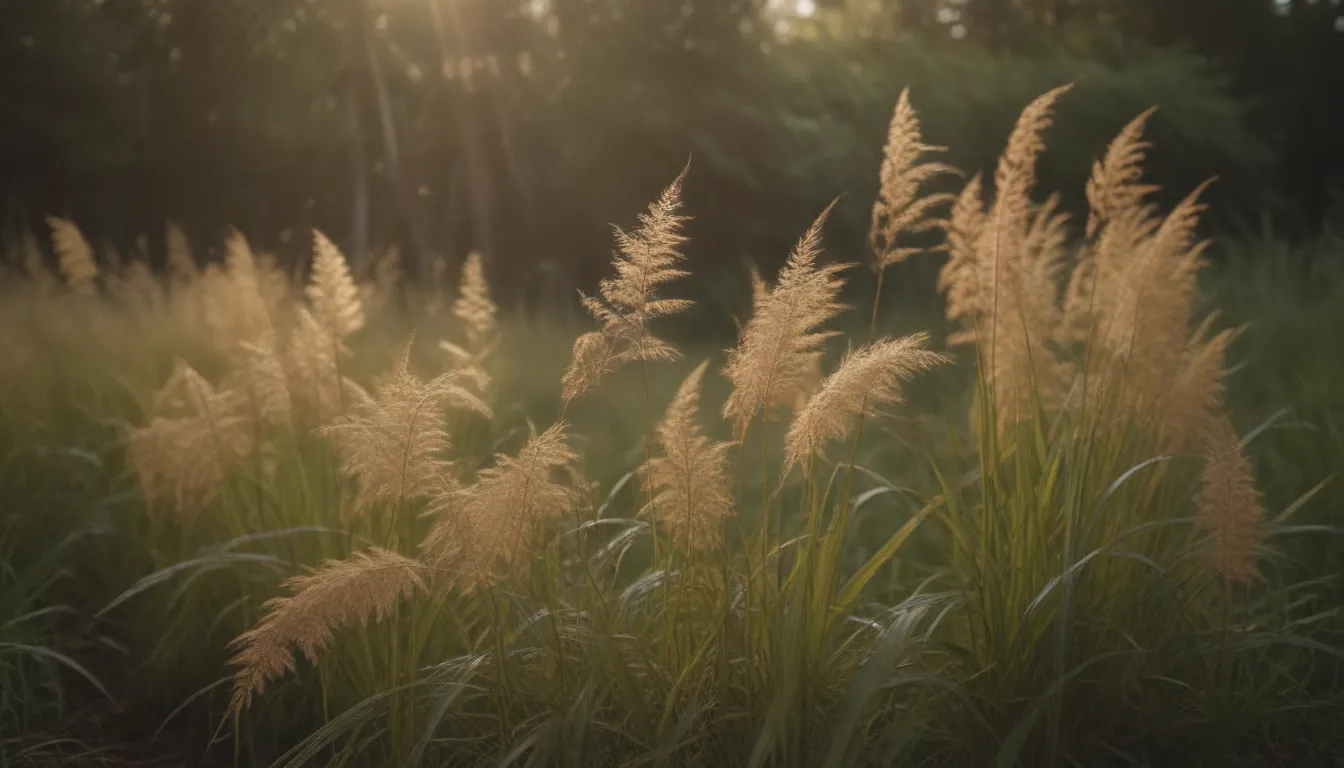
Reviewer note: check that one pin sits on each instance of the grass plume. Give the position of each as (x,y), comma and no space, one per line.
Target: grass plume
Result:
(648,258)
(776,355)
(689,487)
(395,441)
(866,380)
(338,593)
(901,209)
(75,256)
(488,530)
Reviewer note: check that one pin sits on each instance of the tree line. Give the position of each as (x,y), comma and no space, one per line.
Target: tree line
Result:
(519,128)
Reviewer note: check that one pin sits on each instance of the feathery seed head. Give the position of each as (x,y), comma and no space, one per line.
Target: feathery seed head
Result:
(1132,299)
(394,442)
(477,312)
(234,307)
(260,382)
(332,290)
(648,258)
(78,266)
(865,381)
(1230,511)
(338,593)
(963,279)
(774,359)
(136,290)
(691,494)
(473,305)
(319,390)
(591,359)
(759,290)
(1016,172)
(193,440)
(490,528)
(181,264)
(1001,279)
(1113,190)
(900,210)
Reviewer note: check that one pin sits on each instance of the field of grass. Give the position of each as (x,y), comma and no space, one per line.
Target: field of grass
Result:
(1052,517)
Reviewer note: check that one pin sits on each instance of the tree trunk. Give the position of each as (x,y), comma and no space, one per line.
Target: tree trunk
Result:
(392,154)
(359,175)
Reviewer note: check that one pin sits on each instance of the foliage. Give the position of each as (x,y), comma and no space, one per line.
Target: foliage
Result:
(450,127)
(479,570)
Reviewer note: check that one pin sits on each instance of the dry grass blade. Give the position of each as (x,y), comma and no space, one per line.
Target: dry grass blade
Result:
(339,593)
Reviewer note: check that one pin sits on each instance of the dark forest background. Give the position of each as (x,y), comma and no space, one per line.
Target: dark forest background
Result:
(523,128)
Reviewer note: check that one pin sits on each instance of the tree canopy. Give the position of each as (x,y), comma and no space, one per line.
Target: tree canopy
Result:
(519,128)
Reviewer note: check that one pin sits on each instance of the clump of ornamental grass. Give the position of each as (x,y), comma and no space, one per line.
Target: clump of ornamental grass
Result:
(199,433)
(489,532)
(1087,565)
(230,465)
(235,485)
(1098,565)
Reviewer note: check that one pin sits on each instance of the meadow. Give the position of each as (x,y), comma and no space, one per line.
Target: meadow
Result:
(1078,505)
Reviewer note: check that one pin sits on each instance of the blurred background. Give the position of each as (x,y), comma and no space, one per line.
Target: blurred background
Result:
(523,129)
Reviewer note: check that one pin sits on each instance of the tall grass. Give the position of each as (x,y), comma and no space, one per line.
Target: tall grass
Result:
(317,550)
